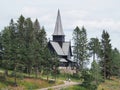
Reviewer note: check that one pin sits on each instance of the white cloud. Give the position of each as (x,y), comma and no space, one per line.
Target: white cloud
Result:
(30,11)
(95,15)
(101,24)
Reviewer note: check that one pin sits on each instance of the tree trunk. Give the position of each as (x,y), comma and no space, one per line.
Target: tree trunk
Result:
(15,77)
(47,76)
(55,74)
(5,74)
(93,56)
(104,71)
(36,72)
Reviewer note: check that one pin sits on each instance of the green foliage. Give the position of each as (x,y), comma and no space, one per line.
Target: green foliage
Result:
(86,75)
(76,87)
(80,47)
(106,55)
(94,47)
(24,47)
(110,84)
(29,85)
(96,73)
(90,82)
(115,62)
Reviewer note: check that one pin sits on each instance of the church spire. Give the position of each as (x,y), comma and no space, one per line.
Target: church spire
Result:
(58,26)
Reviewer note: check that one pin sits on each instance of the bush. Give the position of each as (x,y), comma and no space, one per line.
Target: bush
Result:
(18,75)
(88,81)
(51,81)
(76,75)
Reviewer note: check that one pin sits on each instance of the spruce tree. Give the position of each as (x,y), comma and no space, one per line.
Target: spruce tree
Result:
(94,48)
(106,54)
(80,47)
(37,48)
(96,72)
(6,42)
(29,45)
(115,64)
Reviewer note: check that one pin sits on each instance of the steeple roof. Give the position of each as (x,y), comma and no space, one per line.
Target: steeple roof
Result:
(58,26)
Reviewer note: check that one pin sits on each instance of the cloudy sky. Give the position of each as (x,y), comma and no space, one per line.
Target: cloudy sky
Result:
(94,15)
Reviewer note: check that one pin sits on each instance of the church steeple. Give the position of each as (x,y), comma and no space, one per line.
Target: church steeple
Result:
(58,26)
(58,34)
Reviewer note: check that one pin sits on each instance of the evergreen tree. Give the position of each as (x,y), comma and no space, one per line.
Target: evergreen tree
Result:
(29,45)
(11,47)
(24,46)
(106,55)
(37,48)
(96,72)
(21,42)
(36,26)
(15,56)
(55,65)
(47,64)
(115,62)
(80,47)
(94,47)
(6,42)
(1,49)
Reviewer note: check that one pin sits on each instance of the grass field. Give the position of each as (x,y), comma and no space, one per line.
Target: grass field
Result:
(76,87)
(30,83)
(25,83)
(112,84)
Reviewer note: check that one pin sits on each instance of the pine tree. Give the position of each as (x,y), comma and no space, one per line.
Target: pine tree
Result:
(21,42)
(47,64)
(115,64)
(55,65)
(106,55)
(29,45)
(6,42)
(80,47)
(96,72)
(37,48)
(14,48)
(10,45)
(94,47)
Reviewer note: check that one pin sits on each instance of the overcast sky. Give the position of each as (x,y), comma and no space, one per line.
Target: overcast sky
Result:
(94,15)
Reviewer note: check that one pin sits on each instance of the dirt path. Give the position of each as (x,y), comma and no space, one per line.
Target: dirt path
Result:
(58,87)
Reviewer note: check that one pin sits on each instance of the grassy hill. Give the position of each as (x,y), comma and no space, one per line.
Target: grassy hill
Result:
(30,83)
(24,82)
(112,84)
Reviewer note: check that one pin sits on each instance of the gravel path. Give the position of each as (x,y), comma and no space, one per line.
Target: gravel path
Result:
(58,87)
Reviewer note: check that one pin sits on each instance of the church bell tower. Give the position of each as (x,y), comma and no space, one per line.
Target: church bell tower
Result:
(58,35)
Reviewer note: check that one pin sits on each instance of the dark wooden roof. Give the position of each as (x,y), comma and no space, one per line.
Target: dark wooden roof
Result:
(62,51)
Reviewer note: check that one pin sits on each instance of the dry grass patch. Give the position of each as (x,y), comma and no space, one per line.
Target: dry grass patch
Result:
(27,84)
(113,84)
